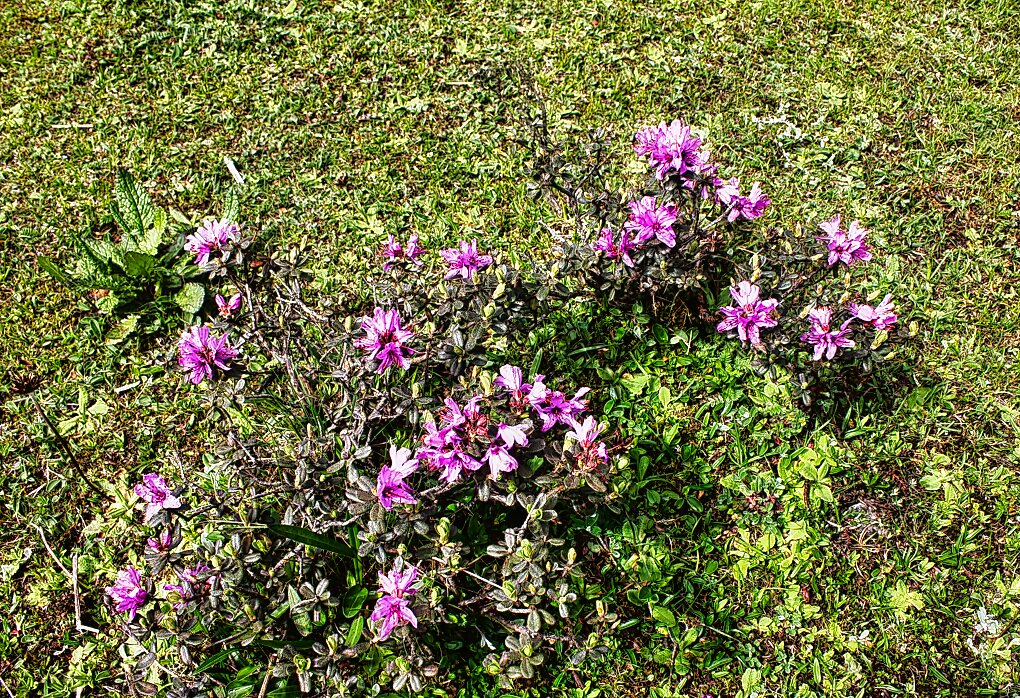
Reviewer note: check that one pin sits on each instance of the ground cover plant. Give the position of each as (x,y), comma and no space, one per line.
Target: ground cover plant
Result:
(862,545)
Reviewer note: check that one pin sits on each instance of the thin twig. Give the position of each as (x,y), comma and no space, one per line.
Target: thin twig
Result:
(6,687)
(68,453)
(50,550)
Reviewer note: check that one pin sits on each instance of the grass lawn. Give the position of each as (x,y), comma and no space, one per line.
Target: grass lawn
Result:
(353,120)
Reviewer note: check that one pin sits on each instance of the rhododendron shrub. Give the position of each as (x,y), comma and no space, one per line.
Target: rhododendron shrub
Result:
(402,486)
(662,244)
(411,489)
(803,303)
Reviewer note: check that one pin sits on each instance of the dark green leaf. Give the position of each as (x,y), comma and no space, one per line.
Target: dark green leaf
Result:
(315,540)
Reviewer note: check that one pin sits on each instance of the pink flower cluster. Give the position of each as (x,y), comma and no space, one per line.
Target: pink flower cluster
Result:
(467,437)
(393,608)
(465,261)
(385,339)
(751,314)
(394,252)
(671,149)
(201,352)
(211,237)
(846,246)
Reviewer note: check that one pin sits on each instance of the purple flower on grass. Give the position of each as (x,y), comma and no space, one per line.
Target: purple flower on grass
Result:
(649,220)
(465,261)
(614,250)
(201,351)
(747,207)
(392,609)
(882,316)
(670,149)
(186,590)
(226,307)
(212,236)
(390,486)
(385,340)
(393,251)
(847,246)
(157,494)
(557,408)
(593,452)
(391,612)
(826,339)
(128,592)
(161,545)
(749,314)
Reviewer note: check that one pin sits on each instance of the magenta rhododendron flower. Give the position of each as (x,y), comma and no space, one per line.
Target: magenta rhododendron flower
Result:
(511,380)
(465,261)
(127,592)
(201,351)
(385,340)
(157,494)
(847,246)
(500,460)
(443,451)
(512,435)
(670,149)
(187,590)
(557,408)
(397,583)
(750,313)
(210,237)
(593,452)
(613,250)
(162,544)
(392,609)
(390,486)
(649,220)
(882,316)
(226,307)
(393,251)
(747,207)
(826,339)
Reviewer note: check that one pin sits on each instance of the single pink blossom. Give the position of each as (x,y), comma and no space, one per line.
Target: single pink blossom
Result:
(749,314)
(201,352)
(127,592)
(393,609)
(466,261)
(386,340)
(846,246)
(211,237)
(228,308)
(154,490)
(650,220)
(882,316)
(826,339)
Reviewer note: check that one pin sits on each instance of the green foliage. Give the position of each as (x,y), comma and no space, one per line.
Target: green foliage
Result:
(142,276)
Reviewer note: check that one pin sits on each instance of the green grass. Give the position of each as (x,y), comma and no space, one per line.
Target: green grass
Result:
(353,120)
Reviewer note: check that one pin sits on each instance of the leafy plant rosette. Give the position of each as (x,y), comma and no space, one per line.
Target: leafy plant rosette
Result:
(390,492)
(142,274)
